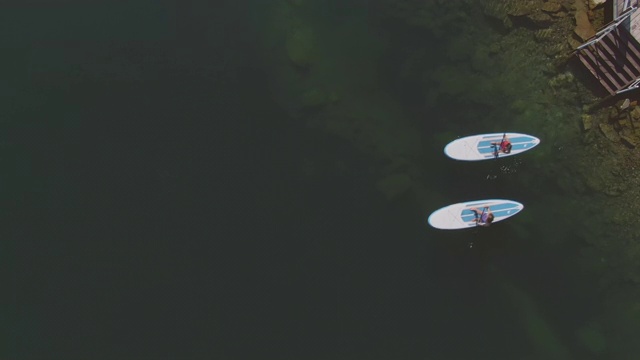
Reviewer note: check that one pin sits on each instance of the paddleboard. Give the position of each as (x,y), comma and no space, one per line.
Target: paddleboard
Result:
(478,147)
(459,216)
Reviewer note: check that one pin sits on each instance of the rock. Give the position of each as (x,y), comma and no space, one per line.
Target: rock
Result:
(507,24)
(540,19)
(609,132)
(587,121)
(625,104)
(543,35)
(613,191)
(595,3)
(551,7)
(560,14)
(554,49)
(588,138)
(583,28)
(561,80)
(523,7)
(628,142)
(614,113)
(635,113)
(497,16)
(623,122)
(622,127)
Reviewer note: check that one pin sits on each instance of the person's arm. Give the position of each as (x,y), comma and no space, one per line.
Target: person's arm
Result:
(475,214)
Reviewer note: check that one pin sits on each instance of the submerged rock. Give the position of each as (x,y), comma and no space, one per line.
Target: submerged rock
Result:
(543,35)
(540,19)
(551,7)
(609,132)
(554,49)
(300,47)
(524,7)
(628,142)
(559,14)
(586,122)
(614,190)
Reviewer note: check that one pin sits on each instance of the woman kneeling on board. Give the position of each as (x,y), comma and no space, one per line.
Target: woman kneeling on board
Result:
(484,217)
(503,146)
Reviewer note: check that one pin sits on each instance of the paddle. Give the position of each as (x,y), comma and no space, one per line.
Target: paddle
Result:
(478,219)
(497,150)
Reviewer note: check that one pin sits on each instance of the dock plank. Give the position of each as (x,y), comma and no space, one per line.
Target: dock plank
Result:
(591,63)
(619,62)
(615,59)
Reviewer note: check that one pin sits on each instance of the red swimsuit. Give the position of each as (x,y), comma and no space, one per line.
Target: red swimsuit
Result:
(504,144)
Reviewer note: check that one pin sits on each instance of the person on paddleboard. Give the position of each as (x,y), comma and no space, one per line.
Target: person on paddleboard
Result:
(484,217)
(503,146)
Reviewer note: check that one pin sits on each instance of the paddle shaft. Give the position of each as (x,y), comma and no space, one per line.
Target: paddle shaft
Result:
(480,218)
(498,146)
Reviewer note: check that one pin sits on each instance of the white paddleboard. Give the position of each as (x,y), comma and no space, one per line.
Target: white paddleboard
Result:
(459,216)
(478,147)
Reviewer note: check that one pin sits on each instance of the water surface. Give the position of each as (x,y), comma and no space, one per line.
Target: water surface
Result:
(169,198)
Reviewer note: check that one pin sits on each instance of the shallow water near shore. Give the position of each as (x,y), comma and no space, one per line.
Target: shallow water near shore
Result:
(192,192)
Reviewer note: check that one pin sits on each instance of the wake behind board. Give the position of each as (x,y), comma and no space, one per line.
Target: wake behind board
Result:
(459,216)
(478,147)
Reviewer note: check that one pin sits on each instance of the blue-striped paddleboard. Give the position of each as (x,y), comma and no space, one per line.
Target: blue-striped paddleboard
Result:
(459,216)
(478,147)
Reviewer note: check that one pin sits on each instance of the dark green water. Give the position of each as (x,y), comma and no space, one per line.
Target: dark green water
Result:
(162,202)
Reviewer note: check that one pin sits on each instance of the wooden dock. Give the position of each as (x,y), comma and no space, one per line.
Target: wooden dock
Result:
(614,60)
(613,54)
